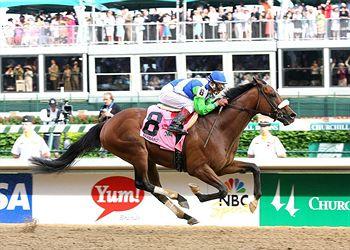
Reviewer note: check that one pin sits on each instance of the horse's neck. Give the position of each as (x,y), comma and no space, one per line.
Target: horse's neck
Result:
(233,121)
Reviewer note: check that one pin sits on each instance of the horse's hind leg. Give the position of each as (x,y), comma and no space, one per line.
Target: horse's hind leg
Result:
(207,175)
(154,179)
(243,167)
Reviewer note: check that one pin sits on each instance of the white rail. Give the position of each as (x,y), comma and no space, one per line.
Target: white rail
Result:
(275,165)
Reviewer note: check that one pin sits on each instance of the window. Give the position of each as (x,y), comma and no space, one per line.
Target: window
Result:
(202,66)
(20,74)
(113,74)
(303,68)
(340,68)
(63,72)
(246,66)
(157,71)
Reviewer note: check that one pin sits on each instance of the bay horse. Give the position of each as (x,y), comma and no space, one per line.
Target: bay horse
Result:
(120,135)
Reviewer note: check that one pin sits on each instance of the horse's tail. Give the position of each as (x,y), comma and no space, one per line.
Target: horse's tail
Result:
(88,142)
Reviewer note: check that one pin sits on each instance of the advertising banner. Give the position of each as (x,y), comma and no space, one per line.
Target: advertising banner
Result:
(305,200)
(91,198)
(15,198)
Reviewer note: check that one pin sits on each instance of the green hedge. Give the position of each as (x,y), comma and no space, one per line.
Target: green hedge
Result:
(292,140)
(82,119)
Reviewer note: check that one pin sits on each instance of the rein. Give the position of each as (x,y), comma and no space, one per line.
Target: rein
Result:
(276,113)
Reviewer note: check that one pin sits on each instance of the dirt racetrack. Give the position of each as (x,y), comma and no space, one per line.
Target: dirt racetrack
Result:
(132,237)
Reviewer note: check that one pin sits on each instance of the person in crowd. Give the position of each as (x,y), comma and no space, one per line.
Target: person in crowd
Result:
(194,94)
(120,28)
(247,26)
(154,83)
(335,24)
(266,78)
(109,24)
(54,72)
(315,74)
(66,78)
(139,28)
(244,80)
(28,78)
(29,144)
(327,11)
(298,25)
(342,75)
(127,15)
(42,36)
(9,79)
(166,34)
(197,25)
(344,21)
(222,29)
(76,76)
(55,29)
(52,116)
(9,31)
(265,145)
(238,23)
(213,16)
(18,34)
(320,24)
(109,109)
(71,29)
(18,73)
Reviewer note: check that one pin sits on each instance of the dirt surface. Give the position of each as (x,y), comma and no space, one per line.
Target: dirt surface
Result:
(131,237)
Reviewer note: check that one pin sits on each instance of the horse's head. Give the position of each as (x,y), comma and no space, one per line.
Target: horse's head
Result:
(271,104)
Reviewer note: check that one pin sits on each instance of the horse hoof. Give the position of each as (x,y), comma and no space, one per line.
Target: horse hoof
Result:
(194,188)
(182,201)
(192,221)
(253,205)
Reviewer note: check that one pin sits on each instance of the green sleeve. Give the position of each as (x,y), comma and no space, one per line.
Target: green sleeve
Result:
(201,105)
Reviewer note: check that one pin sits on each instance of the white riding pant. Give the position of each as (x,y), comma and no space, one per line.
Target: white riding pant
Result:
(169,97)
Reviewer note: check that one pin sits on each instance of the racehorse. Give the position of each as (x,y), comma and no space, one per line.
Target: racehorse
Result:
(120,135)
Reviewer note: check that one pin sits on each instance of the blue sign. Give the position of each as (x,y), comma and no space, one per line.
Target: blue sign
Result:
(16,198)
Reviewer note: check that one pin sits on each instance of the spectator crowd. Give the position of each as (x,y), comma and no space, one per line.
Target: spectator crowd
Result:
(201,23)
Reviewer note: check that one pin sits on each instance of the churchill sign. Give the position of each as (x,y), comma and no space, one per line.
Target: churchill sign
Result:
(305,200)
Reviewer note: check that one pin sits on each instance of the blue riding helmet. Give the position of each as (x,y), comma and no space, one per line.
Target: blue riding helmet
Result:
(217,77)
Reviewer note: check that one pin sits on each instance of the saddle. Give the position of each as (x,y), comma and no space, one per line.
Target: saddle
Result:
(154,129)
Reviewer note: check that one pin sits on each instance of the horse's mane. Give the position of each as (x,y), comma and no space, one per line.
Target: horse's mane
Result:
(234,92)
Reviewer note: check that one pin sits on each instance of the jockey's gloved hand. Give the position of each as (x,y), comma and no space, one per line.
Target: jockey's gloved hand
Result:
(222,102)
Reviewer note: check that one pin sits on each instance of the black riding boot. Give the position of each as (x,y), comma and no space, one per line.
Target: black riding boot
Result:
(176,125)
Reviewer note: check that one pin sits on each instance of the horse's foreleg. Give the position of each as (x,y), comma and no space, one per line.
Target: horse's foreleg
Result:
(142,182)
(243,167)
(154,179)
(207,175)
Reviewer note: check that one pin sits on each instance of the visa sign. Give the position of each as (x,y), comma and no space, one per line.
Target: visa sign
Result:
(116,193)
(15,198)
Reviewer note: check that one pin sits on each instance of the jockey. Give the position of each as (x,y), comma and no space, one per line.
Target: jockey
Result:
(193,94)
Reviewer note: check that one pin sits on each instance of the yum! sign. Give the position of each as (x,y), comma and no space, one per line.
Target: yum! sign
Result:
(116,193)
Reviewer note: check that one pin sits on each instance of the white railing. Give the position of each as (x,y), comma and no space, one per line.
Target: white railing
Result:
(270,165)
(157,32)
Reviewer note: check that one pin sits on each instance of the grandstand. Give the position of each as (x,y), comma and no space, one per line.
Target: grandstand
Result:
(300,64)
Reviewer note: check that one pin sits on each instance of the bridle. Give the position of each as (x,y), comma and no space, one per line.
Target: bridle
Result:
(276,112)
